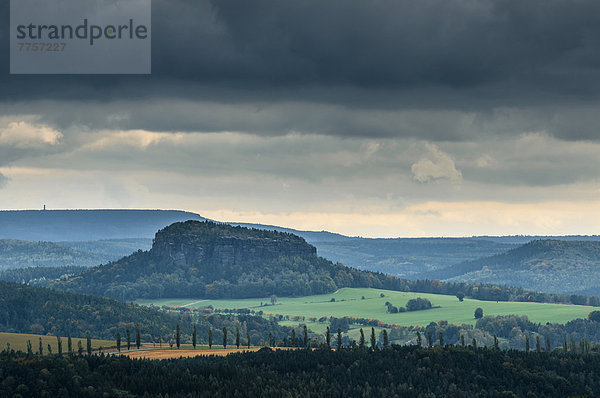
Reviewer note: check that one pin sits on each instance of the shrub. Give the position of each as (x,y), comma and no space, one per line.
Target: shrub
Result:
(478,313)
(418,304)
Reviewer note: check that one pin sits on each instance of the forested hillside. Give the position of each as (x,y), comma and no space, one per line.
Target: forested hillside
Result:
(113,234)
(206,259)
(113,249)
(26,309)
(209,260)
(39,276)
(21,254)
(541,265)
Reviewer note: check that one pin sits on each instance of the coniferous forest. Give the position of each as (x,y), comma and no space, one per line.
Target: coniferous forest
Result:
(391,372)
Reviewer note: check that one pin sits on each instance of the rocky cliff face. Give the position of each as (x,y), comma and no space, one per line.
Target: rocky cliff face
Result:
(195,243)
(205,259)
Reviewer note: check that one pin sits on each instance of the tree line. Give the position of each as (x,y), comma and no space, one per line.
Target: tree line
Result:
(27,309)
(406,371)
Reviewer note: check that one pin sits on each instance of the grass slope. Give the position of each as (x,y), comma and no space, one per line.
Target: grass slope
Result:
(349,302)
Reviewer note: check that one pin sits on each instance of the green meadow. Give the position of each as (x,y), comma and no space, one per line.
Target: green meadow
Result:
(368,303)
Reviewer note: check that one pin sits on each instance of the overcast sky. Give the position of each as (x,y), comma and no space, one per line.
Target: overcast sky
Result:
(379,118)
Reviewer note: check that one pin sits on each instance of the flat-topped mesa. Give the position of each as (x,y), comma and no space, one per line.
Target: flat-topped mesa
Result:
(207,259)
(195,243)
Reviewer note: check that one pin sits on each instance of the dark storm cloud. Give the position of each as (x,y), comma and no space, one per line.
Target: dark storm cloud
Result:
(388,44)
(392,55)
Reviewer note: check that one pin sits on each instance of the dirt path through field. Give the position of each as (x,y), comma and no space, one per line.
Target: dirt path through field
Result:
(195,302)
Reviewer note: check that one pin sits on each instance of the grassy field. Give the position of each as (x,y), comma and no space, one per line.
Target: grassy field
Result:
(350,302)
(18,341)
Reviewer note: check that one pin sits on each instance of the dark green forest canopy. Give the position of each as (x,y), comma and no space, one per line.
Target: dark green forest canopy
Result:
(397,371)
(26,309)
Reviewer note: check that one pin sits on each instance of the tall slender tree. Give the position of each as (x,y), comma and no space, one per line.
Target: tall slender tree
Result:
(328,337)
(59,345)
(419,340)
(29,349)
(548,345)
(79,348)
(526,343)
(495,342)
(224,337)
(271,340)
(248,339)
(237,337)
(339,339)
(373,339)
(118,341)
(69,344)
(138,337)
(178,336)
(194,337)
(462,340)
(293,338)
(128,334)
(538,346)
(386,341)
(41,348)
(474,343)
(305,341)
(210,339)
(89,343)
(441,337)
(430,338)
(361,341)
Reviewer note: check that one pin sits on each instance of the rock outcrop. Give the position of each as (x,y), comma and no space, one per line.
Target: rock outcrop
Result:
(222,244)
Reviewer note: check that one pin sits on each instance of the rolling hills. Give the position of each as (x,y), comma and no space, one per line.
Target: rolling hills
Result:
(113,234)
(22,254)
(197,259)
(93,237)
(210,260)
(541,265)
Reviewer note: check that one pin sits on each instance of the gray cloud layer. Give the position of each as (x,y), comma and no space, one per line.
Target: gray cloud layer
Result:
(321,105)
(394,54)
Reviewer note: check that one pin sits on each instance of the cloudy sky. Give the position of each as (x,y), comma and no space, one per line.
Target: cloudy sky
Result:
(376,118)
